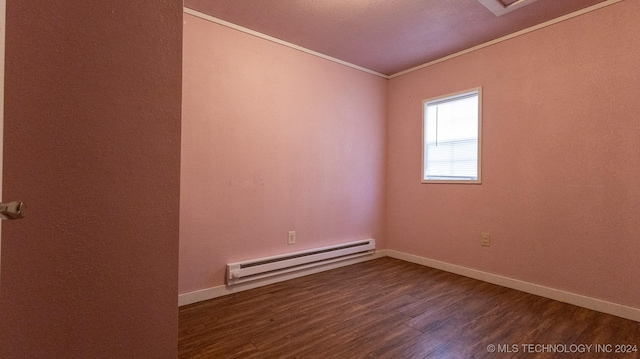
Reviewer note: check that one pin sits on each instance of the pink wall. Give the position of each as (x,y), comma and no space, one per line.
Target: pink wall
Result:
(92,144)
(273,140)
(561,168)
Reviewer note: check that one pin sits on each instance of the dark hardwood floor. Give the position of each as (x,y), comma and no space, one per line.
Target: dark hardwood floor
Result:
(387,308)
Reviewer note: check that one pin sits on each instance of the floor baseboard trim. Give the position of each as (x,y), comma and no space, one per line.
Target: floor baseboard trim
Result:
(551,293)
(222,290)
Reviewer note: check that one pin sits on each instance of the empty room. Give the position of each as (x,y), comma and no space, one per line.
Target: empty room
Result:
(320,179)
(305,128)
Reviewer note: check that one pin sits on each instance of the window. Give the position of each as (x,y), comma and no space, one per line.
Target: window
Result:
(451,138)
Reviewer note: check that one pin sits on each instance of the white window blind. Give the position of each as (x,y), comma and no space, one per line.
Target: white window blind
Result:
(451,138)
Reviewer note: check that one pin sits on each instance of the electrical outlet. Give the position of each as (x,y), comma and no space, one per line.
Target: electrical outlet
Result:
(292,237)
(485,239)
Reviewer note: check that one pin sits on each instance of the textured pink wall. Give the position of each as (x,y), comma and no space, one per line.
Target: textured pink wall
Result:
(561,162)
(92,144)
(273,140)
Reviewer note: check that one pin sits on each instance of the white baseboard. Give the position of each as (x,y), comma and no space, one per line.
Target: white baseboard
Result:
(219,291)
(551,293)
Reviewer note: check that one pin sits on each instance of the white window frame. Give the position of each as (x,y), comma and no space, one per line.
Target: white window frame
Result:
(460,94)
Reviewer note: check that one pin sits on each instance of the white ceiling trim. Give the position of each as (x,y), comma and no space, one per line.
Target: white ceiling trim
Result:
(511,36)
(460,53)
(496,7)
(278,41)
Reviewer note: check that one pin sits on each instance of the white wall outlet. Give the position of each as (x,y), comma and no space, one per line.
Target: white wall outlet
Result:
(292,237)
(485,239)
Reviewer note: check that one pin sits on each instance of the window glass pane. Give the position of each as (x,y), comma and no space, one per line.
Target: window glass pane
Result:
(451,138)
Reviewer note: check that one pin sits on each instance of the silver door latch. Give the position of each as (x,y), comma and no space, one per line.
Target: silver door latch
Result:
(12,210)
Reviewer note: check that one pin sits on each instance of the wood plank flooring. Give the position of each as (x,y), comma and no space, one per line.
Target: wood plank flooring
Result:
(387,308)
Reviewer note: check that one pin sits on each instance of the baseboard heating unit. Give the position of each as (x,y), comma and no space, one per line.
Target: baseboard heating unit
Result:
(272,266)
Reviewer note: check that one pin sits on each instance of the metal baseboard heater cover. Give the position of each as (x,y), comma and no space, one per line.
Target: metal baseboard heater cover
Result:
(272,266)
